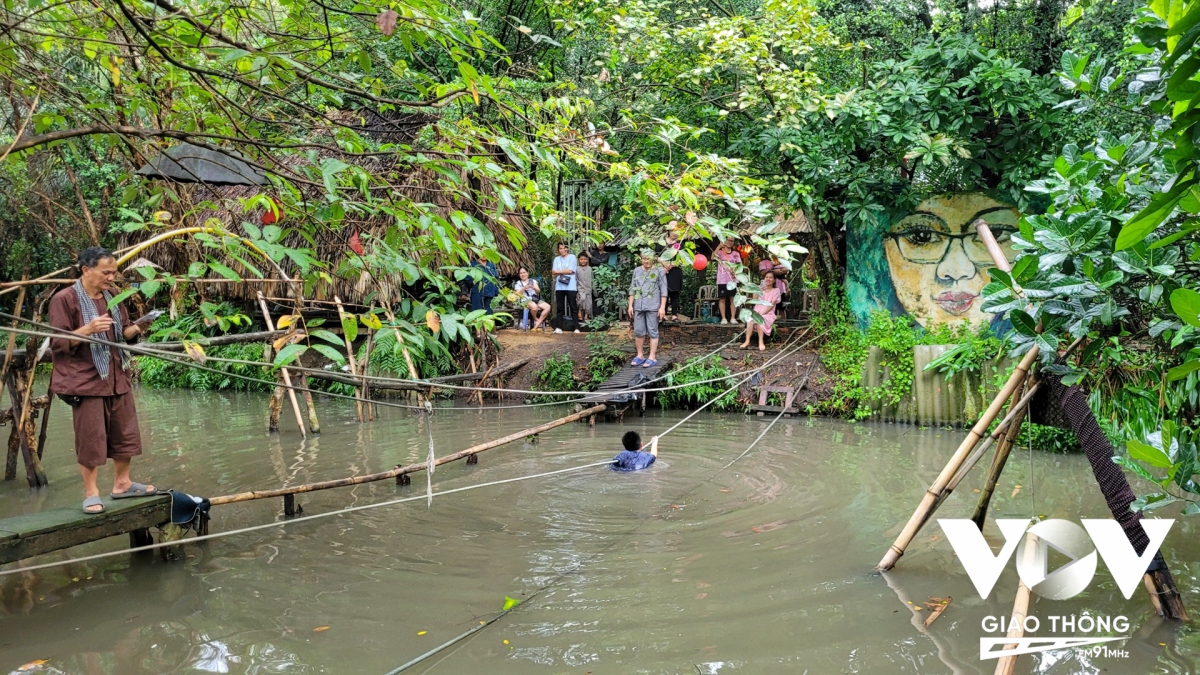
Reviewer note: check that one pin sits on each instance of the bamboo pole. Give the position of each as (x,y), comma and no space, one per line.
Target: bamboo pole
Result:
(41,446)
(1016,412)
(366,383)
(12,337)
(483,382)
(24,282)
(287,378)
(314,424)
(932,494)
(411,468)
(998,461)
(350,356)
(1016,627)
(412,369)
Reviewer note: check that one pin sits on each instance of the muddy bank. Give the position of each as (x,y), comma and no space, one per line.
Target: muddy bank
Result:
(682,343)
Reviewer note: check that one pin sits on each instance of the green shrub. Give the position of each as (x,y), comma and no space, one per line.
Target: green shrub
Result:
(843,353)
(1049,439)
(605,358)
(689,395)
(556,374)
(159,373)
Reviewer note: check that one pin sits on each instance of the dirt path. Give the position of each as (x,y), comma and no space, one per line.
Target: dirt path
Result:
(538,347)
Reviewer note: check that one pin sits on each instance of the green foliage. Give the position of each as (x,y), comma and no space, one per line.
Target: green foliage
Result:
(843,353)
(1049,439)
(556,374)
(610,293)
(972,349)
(895,337)
(605,357)
(694,391)
(208,320)
(160,373)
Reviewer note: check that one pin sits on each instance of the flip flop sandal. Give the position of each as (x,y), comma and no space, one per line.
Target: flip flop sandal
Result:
(650,363)
(93,501)
(637,361)
(135,490)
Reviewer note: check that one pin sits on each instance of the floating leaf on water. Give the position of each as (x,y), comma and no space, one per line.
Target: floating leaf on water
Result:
(422,632)
(506,642)
(1016,491)
(320,629)
(509,603)
(33,664)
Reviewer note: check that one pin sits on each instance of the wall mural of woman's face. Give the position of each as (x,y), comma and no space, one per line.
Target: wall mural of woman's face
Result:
(937,262)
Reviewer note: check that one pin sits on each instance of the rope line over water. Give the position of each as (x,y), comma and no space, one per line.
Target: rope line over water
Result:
(187,362)
(785,351)
(292,521)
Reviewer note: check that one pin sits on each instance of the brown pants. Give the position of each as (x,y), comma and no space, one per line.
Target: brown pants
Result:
(106,426)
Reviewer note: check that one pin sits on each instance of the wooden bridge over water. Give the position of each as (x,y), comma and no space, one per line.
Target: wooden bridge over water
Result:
(620,392)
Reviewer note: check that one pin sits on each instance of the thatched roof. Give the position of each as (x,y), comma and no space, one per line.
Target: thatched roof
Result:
(796,223)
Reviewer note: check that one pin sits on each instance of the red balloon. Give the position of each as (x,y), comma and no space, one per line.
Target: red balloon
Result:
(700,262)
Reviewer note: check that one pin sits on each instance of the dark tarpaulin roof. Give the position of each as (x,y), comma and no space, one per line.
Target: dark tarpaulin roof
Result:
(187,163)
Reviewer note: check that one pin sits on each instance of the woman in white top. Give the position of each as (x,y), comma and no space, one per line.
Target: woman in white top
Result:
(538,309)
(565,289)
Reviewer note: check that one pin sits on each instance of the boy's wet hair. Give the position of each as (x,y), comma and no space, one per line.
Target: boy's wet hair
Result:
(632,441)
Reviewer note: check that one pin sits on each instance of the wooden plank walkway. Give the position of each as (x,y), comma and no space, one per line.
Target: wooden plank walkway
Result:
(613,392)
(37,533)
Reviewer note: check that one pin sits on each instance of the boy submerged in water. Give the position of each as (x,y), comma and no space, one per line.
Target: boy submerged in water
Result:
(634,458)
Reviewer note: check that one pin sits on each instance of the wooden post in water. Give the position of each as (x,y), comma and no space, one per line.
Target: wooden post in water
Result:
(10,468)
(314,424)
(350,355)
(287,379)
(402,471)
(12,337)
(366,367)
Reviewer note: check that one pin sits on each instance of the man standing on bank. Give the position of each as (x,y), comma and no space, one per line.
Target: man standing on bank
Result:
(647,306)
(94,378)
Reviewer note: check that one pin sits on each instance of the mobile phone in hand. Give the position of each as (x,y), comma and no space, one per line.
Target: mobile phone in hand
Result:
(150,317)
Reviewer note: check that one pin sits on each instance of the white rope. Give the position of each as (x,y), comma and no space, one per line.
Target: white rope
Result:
(281,523)
(430,460)
(173,357)
(785,351)
(751,447)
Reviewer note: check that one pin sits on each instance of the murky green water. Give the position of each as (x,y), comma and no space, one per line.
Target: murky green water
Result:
(764,568)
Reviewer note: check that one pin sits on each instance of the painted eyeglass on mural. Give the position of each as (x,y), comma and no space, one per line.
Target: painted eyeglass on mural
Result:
(930,263)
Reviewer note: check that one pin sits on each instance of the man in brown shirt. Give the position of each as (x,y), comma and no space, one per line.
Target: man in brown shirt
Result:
(94,378)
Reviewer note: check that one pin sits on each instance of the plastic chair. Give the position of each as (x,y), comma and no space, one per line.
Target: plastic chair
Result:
(706,294)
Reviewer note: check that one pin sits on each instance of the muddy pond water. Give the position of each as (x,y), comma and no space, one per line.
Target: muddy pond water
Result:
(764,567)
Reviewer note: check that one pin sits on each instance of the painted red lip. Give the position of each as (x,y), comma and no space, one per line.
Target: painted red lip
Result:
(955,302)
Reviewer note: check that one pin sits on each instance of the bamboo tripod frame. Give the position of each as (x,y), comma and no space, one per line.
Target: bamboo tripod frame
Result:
(1016,392)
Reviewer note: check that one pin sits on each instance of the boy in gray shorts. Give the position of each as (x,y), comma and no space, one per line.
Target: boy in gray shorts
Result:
(647,305)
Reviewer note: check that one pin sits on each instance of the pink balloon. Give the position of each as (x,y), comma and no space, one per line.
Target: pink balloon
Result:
(700,262)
